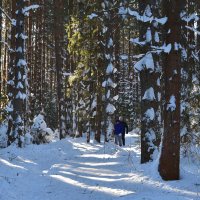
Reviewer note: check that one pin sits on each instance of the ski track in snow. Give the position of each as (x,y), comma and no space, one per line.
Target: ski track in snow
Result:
(72,169)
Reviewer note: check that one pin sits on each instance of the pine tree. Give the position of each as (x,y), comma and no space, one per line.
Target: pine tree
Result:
(149,70)
(20,76)
(10,83)
(109,65)
(59,53)
(170,152)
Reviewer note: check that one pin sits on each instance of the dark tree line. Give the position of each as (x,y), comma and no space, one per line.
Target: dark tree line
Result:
(82,64)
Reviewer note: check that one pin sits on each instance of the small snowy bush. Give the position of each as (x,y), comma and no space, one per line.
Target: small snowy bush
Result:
(40,132)
(28,138)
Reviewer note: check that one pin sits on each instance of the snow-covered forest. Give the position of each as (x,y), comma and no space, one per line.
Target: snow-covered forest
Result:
(69,69)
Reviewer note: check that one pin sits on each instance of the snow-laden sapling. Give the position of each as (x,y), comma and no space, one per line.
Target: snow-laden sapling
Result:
(40,132)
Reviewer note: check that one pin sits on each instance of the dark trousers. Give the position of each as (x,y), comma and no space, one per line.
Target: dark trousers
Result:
(118,140)
(123,139)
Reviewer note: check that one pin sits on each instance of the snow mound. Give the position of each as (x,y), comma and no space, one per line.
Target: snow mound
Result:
(40,132)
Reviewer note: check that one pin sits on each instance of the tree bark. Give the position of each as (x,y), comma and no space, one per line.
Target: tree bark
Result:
(20,71)
(0,53)
(10,86)
(59,39)
(170,151)
(148,81)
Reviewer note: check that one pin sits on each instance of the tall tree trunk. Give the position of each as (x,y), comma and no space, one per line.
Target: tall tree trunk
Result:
(188,39)
(149,87)
(36,99)
(59,40)
(109,68)
(99,74)
(11,86)
(0,53)
(170,152)
(198,36)
(20,71)
(98,117)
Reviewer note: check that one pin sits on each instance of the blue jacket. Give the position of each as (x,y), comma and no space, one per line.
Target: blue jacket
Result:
(118,128)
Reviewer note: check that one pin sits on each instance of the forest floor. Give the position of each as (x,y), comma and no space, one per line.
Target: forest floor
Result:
(71,169)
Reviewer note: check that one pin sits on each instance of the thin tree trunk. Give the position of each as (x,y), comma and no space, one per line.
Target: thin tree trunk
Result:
(98,117)
(0,53)
(99,74)
(10,87)
(59,38)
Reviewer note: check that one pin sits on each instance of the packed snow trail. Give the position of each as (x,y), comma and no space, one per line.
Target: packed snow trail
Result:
(71,169)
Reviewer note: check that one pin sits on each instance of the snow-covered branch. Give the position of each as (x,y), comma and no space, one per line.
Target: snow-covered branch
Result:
(32,7)
(146,17)
(189,18)
(193,29)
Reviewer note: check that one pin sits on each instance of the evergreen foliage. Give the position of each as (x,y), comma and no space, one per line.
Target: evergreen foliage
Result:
(85,63)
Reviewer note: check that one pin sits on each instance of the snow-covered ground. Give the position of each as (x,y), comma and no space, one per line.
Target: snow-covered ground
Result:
(71,169)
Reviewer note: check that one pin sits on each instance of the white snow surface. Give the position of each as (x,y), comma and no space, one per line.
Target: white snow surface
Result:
(146,62)
(110,108)
(21,62)
(137,41)
(165,48)
(93,15)
(32,7)
(109,69)
(72,169)
(149,94)
(156,37)
(109,82)
(146,17)
(148,35)
(150,114)
(172,103)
